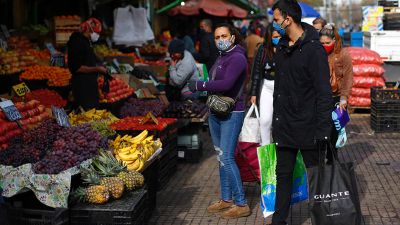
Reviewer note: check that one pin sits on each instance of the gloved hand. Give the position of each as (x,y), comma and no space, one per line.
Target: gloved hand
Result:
(192,86)
(106,86)
(108,76)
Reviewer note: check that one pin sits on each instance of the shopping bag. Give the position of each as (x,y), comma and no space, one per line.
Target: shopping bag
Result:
(247,161)
(333,193)
(251,127)
(267,160)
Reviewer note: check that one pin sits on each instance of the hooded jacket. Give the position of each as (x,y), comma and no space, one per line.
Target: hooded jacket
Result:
(185,70)
(228,75)
(302,95)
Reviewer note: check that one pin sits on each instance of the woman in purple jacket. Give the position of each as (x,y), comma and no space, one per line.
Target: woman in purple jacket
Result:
(228,78)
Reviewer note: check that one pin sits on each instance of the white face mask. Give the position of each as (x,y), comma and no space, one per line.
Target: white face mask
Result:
(94,36)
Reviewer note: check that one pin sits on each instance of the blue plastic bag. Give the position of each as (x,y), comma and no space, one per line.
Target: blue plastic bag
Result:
(267,160)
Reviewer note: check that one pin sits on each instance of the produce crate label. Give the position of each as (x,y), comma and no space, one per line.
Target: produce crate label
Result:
(3,44)
(10,110)
(61,116)
(181,154)
(21,89)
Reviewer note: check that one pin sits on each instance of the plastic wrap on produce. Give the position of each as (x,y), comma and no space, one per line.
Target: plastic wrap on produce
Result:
(361,92)
(367,82)
(364,56)
(359,101)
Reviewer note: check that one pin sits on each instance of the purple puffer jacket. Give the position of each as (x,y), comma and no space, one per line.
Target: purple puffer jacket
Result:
(229,73)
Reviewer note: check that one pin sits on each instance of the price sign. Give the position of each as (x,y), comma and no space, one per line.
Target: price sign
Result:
(10,110)
(21,89)
(51,48)
(61,116)
(5,31)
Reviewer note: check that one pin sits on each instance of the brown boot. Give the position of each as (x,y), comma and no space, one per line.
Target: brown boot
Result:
(236,212)
(219,206)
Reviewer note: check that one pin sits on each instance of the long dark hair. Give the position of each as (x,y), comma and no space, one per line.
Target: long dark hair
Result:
(329,30)
(233,31)
(268,45)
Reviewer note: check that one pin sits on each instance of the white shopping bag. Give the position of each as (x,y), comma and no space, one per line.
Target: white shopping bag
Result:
(251,127)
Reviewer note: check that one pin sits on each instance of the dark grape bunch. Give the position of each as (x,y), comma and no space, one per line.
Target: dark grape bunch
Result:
(187,109)
(72,146)
(140,107)
(31,146)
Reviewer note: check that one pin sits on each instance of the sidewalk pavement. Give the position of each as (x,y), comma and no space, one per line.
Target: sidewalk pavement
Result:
(377,155)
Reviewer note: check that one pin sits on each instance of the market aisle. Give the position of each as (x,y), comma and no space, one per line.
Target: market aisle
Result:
(195,186)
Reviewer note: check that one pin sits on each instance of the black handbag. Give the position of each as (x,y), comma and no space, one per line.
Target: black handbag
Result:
(333,194)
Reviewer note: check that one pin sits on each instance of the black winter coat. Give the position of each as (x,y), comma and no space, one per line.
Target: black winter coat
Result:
(302,94)
(258,71)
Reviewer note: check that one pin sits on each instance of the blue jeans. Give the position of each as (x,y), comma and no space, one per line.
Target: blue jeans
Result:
(225,133)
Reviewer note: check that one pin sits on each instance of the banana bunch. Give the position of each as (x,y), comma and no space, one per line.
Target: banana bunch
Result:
(92,115)
(134,151)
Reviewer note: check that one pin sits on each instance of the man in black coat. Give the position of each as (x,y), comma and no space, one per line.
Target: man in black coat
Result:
(208,52)
(302,99)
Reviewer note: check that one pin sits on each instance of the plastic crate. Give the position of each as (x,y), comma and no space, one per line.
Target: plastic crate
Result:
(385,123)
(25,216)
(356,39)
(131,209)
(382,108)
(150,174)
(189,148)
(385,94)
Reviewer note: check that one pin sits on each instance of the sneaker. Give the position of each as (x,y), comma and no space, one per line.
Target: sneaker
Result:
(236,212)
(219,206)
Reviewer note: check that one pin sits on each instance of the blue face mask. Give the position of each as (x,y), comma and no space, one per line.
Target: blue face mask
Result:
(275,41)
(224,44)
(279,28)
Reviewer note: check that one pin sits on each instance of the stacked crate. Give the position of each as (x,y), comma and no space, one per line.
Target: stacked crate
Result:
(391,11)
(385,109)
(64,27)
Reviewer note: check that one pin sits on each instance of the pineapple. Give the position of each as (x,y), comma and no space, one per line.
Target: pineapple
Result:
(95,194)
(131,179)
(114,185)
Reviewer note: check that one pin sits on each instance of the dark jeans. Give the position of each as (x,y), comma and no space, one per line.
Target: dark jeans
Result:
(286,159)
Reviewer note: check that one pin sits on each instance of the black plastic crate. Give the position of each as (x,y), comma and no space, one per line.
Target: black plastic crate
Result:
(26,216)
(385,94)
(388,3)
(382,108)
(385,123)
(150,174)
(131,209)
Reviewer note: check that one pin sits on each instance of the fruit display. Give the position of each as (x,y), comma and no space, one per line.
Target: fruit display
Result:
(39,28)
(56,76)
(103,128)
(136,123)
(72,146)
(118,90)
(104,51)
(186,109)
(153,49)
(135,151)
(40,54)
(32,145)
(32,112)
(19,42)
(65,25)
(106,173)
(15,61)
(47,98)
(140,107)
(90,116)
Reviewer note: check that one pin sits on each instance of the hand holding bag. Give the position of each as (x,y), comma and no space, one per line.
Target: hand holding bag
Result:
(251,127)
(333,193)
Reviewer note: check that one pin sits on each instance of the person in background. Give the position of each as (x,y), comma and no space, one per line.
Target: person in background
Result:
(319,23)
(208,51)
(302,116)
(341,71)
(252,41)
(182,69)
(262,81)
(228,76)
(84,65)
(182,34)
